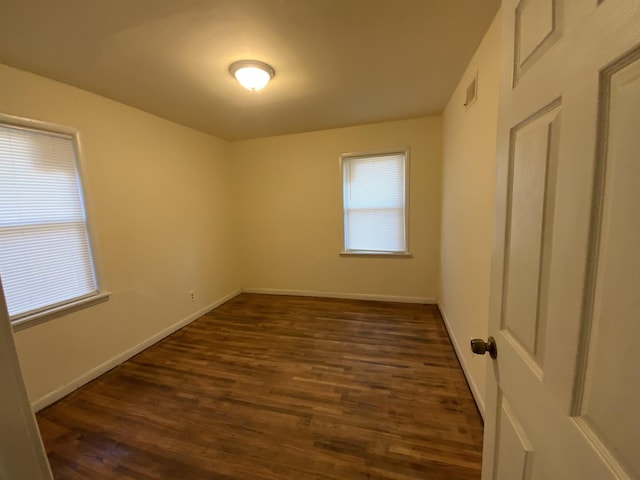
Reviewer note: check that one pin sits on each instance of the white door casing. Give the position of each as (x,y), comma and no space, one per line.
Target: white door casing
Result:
(563,395)
(22,454)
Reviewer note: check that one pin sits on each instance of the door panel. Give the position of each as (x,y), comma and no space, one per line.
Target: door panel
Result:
(612,376)
(532,167)
(515,452)
(537,28)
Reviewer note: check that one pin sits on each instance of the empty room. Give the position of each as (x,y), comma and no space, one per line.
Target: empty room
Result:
(319,239)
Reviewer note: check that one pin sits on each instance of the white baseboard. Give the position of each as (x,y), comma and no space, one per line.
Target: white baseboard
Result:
(94,373)
(350,296)
(472,385)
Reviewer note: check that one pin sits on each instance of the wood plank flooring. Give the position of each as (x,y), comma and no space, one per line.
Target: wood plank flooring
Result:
(276,387)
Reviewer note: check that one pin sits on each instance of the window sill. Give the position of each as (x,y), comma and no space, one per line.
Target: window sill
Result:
(46,315)
(365,253)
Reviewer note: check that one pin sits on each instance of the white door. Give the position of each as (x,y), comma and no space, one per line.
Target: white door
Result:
(22,455)
(564,392)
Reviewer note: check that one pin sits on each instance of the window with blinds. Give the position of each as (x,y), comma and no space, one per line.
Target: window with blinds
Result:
(375,203)
(45,255)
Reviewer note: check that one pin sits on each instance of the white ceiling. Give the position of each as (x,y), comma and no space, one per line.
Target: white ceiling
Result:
(337,62)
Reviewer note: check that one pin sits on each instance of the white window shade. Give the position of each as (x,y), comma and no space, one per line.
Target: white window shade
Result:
(45,256)
(374,201)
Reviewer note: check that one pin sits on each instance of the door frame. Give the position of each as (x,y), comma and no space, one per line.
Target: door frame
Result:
(22,453)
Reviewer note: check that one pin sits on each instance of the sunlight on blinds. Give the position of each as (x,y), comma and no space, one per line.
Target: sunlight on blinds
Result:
(45,258)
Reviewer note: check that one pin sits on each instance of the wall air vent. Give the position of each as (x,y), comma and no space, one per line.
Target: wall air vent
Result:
(472,92)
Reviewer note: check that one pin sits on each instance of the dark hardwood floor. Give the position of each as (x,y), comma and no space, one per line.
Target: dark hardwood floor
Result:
(271,387)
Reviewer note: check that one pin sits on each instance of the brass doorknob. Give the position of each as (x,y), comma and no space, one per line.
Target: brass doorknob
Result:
(480,347)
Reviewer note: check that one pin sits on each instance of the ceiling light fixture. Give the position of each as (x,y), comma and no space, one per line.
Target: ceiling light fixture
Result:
(252,74)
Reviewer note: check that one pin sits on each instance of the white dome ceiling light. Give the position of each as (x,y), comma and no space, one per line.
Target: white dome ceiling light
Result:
(252,74)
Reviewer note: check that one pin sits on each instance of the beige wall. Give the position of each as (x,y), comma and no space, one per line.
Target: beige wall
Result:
(467,207)
(161,209)
(290,196)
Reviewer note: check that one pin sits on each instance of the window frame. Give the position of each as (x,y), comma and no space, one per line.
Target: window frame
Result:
(50,312)
(406,152)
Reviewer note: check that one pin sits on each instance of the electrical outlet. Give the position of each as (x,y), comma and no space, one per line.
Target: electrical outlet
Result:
(192,295)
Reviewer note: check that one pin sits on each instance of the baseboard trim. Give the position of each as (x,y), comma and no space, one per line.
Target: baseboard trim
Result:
(94,373)
(456,346)
(349,296)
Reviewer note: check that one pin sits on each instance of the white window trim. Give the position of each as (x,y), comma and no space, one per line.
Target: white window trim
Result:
(54,311)
(367,253)
(372,153)
(59,311)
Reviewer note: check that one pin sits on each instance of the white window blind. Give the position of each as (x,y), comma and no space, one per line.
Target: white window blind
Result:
(45,256)
(374,200)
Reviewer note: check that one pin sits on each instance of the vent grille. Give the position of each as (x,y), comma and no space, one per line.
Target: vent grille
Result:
(472,92)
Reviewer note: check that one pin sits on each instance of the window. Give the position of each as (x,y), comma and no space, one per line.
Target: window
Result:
(45,255)
(375,202)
